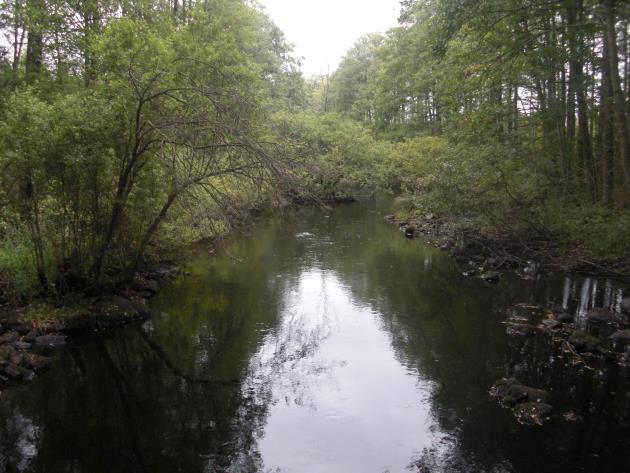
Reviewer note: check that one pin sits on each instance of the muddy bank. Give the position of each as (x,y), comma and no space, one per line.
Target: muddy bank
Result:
(489,253)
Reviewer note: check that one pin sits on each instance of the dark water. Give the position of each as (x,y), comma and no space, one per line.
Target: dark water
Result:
(325,343)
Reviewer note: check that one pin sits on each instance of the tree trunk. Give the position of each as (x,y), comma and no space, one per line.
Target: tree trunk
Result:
(611,62)
(35,41)
(606,134)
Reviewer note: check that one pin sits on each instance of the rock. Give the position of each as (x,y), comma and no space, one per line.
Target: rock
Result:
(22,328)
(625,305)
(551,323)
(110,312)
(501,390)
(510,392)
(583,342)
(36,362)
(518,329)
(145,285)
(491,262)
(564,317)
(9,337)
(21,345)
(118,306)
(600,315)
(571,416)
(5,352)
(153,285)
(532,413)
(491,276)
(50,341)
(30,336)
(621,336)
(558,309)
(165,270)
(409,231)
(16,357)
(469,273)
(18,373)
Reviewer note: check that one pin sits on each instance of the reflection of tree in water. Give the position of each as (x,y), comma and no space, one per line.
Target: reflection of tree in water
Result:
(162,401)
(449,330)
(194,393)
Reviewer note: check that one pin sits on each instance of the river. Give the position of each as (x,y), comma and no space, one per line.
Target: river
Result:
(324,342)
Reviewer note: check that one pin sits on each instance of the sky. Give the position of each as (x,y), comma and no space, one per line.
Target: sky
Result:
(323,30)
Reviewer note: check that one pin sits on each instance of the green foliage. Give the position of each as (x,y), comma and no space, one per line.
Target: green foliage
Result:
(17,267)
(338,156)
(530,110)
(597,230)
(137,129)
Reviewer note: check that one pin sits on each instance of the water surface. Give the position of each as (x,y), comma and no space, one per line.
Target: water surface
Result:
(325,342)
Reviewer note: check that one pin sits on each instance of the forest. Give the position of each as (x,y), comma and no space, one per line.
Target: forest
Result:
(212,261)
(131,128)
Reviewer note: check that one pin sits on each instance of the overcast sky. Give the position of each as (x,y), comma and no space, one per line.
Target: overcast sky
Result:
(323,30)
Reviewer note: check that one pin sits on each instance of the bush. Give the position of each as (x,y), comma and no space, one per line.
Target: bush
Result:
(18,277)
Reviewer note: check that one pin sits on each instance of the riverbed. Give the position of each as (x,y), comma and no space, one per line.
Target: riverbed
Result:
(325,342)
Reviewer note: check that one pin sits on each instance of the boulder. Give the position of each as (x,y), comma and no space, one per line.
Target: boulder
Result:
(165,270)
(36,362)
(510,392)
(518,329)
(583,342)
(5,352)
(551,323)
(30,336)
(16,357)
(564,317)
(145,285)
(558,309)
(601,315)
(491,262)
(18,373)
(118,307)
(621,336)
(21,327)
(110,312)
(9,337)
(491,276)
(532,413)
(21,345)
(50,341)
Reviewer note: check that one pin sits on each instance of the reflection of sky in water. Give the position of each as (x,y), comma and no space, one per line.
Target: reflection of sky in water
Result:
(325,345)
(25,434)
(340,400)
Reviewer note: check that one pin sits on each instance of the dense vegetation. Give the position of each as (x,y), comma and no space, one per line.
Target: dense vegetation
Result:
(124,122)
(130,127)
(512,114)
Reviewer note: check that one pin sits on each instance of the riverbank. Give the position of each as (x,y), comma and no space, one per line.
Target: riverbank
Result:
(29,335)
(481,251)
(599,334)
